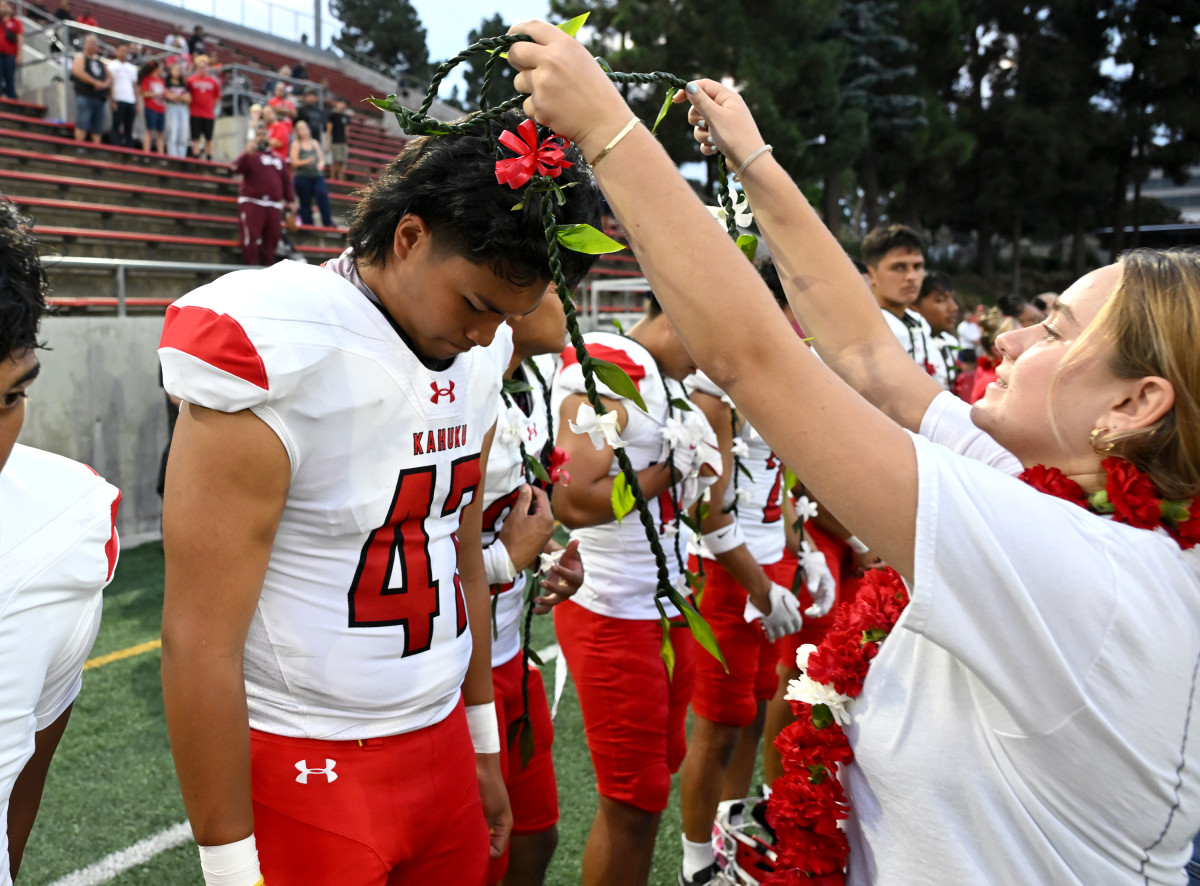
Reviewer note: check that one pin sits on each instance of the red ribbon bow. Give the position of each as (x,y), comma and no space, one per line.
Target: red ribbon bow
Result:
(549,158)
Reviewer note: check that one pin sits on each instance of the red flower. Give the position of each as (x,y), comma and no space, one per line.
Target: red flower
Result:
(840,661)
(1054,482)
(1188,533)
(1131,493)
(548,158)
(930,368)
(558,458)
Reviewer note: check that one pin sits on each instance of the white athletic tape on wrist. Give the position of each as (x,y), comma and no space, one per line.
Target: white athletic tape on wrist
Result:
(724,539)
(485,731)
(231,864)
(498,566)
(855,545)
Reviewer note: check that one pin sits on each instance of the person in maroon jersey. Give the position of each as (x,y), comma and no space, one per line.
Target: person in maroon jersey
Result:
(205,90)
(265,189)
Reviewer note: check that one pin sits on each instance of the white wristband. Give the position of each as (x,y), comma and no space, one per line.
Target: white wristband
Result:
(498,566)
(855,545)
(485,731)
(724,539)
(231,864)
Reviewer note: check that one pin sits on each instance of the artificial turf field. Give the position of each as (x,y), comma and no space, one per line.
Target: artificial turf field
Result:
(112,785)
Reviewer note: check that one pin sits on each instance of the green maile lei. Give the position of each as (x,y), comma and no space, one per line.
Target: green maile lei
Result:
(540,190)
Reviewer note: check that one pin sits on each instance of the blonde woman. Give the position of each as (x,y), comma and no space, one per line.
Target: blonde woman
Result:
(1031,718)
(308,174)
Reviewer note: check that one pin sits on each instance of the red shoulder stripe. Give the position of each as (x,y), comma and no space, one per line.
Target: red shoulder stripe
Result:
(616,356)
(112,545)
(217,339)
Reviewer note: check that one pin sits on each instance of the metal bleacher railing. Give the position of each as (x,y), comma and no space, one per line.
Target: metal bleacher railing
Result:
(121,268)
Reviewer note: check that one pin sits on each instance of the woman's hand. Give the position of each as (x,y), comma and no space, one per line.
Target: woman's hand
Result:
(567,89)
(721,121)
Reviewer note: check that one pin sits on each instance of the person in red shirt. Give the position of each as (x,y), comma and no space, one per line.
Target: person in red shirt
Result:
(205,90)
(279,132)
(284,106)
(153,89)
(265,189)
(11,36)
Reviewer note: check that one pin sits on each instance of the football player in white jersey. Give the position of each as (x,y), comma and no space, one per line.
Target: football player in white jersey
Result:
(322,533)
(610,632)
(895,268)
(58,549)
(517,528)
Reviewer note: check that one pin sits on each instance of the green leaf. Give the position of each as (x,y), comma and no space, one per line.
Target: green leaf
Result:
(695,581)
(874,635)
(586,239)
(702,511)
(790,480)
(748,243)
(817,773)
(514,730)
(535,658)
(822,717)
(1173,509)
(662,112)
(536,468)
(617,380)
(667,652)
(622,497)
(572,26)
(519,206)
(745,470)
(619,327)
(690,523)
(681,404)
(700,629)
(526,745)
(1099,502)
(516,386)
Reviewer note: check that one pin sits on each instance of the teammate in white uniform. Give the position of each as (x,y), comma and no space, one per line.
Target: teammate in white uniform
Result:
(895,268)
(321,526)
(610,631)
(58,549)
(517,529)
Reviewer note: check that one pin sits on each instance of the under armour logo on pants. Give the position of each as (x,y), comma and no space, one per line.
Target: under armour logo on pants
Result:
(305,772)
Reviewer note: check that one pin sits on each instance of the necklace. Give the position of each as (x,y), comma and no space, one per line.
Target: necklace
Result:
(808,802)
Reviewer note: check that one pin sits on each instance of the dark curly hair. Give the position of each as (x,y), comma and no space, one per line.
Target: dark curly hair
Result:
(881,241)
(450,182)
(23,284)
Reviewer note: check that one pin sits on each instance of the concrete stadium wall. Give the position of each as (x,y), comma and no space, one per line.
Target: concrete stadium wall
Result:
(98,401)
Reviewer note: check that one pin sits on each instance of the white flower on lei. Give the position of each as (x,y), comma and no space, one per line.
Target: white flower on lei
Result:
(744,496)
(742,216)
(806,508)
(513,425)
(600,428)
(740,448)
(670,531)
(547,561)
(679,436)
(811,692)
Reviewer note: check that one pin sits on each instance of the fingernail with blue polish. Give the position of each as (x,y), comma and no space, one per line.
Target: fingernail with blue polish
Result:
(700,123)
(709,141)
(693,88)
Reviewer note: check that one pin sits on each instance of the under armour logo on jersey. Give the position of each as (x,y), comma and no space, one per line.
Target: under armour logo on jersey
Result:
(305,772)
(438,393)
(531,430)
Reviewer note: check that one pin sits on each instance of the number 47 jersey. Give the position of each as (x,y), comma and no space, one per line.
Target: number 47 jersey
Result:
(361,627)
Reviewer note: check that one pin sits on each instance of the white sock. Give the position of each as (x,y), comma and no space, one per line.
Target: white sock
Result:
(696,857)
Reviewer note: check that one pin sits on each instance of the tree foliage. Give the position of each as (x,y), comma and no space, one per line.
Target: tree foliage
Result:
(388,32)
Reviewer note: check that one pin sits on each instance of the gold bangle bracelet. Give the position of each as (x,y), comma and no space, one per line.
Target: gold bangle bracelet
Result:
(617,138)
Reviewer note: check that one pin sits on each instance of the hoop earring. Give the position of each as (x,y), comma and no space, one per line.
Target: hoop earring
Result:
(1103,447)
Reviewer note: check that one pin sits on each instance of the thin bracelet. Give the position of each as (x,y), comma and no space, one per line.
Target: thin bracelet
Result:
(737,176)
(612,144)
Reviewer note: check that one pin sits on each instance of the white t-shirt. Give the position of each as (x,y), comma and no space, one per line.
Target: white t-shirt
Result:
(1028,720)
(759,513)
(504,477)
(620,575)
(58,550)
(361,627)
(124,81)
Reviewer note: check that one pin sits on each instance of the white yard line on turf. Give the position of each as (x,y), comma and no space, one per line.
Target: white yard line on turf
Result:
(111,866)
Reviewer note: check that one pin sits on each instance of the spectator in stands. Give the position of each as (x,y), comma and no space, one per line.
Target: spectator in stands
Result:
(284,106)
(308,172)
(300,70)
(279,132)
(255,119)
(205,90)
(177,41)
(178,99)
(312,113)
(198,42)
(11,36)
(123,97)
(265,188)
(64,13)
(92,82)
(86,18)
(335,129)
(153,90)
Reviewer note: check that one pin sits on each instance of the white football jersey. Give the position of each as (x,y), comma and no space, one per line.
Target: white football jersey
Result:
(58,550)
(504,477)
(759,510)
(361,627)
(620,575)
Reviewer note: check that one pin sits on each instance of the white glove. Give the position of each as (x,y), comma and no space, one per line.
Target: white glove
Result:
(784,617)
(819,581)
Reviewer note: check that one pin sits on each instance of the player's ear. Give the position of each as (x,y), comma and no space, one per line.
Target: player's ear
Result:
(412,236)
